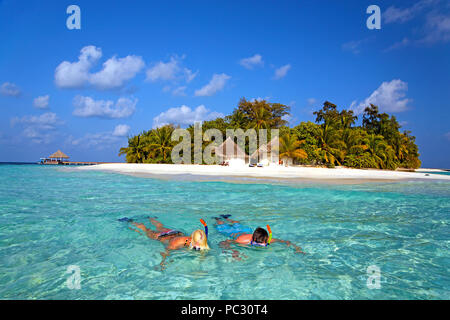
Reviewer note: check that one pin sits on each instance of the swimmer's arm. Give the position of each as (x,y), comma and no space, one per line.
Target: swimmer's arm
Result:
(226,246)
(288,243)
(164,255)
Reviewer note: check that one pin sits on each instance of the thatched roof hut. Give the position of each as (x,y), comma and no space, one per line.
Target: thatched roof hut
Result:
(59,155)
(230,150)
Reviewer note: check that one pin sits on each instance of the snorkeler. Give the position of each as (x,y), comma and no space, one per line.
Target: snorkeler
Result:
(173,239)
(243,235)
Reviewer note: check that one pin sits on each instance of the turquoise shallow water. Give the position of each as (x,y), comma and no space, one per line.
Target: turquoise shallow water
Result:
(446,173)
(51,218)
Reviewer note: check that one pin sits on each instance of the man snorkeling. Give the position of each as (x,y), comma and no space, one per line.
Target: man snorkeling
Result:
(243,235)
(173,239)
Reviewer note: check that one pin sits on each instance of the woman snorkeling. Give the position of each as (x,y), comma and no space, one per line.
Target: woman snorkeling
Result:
(172,238)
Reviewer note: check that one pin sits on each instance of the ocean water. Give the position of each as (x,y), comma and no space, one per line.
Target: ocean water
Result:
(52,218)
(447,173)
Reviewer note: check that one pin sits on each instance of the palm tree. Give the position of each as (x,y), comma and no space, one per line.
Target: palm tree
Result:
(261,118)
(290,147)
(330,146)
(354,140)
(237,119)
(379,149)
(400,146)
(391,160)
(159,143)
(135,150)
(347,119)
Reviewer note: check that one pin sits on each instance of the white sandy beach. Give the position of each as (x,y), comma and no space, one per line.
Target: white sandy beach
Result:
(270,172)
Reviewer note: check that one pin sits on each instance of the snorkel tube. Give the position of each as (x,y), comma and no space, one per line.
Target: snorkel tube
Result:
(206,227)
(270,234)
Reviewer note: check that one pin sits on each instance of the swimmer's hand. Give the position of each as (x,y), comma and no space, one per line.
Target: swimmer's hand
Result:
(289,243)
(235,255)
(299,250)
(225,245)
(164,255)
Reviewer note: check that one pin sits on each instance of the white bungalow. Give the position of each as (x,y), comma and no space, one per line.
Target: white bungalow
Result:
(230,153)
(267,154)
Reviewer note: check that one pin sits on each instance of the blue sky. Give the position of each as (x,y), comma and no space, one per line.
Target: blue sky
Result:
(135,65)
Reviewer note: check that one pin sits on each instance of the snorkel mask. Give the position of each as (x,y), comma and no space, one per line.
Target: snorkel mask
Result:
(199,239)
(256,244)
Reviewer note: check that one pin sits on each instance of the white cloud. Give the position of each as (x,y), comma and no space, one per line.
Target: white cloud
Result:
(10,89)
(88,107)
(400,44)
(164,70)
(41,102)
(259,99)
(115,72)
(216,84)
(281,72)
(311,101)
(399,15)
(170,71)
(38,128)
(189,75)
(76,74)
(393,14)
(121,130)
(179,91)
(252,62)
(184,116)
(101,140)
(437,28)
(47,120)
(389,97)
(355,46)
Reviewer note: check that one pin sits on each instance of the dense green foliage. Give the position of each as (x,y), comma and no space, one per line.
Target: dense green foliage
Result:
(332,140)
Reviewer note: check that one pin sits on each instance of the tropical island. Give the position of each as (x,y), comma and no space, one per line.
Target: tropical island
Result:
(333,140)
(333,149)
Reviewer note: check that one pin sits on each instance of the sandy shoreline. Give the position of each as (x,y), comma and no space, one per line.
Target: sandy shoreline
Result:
(209,172)
(430,170)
